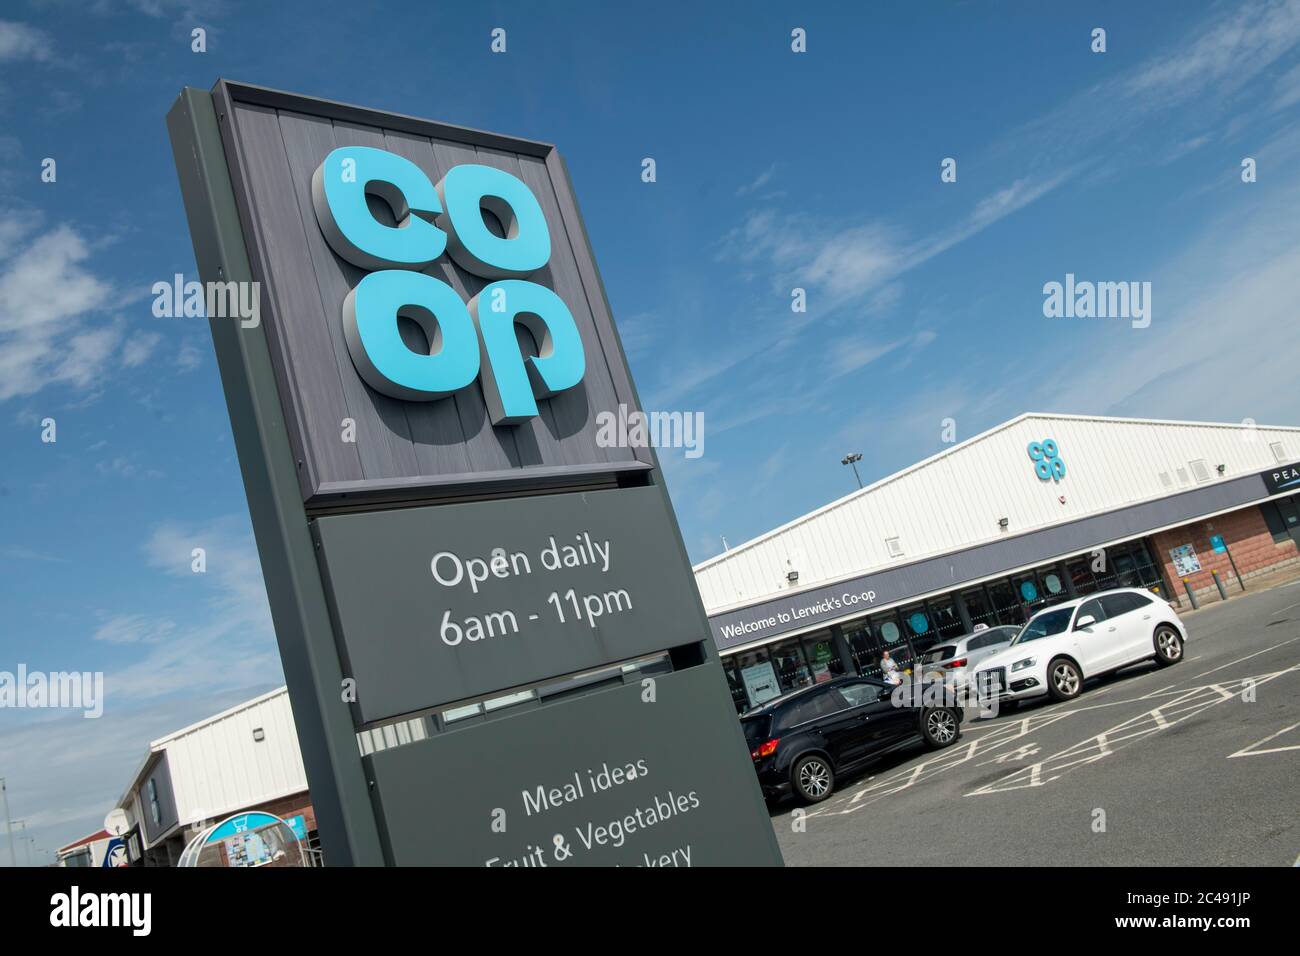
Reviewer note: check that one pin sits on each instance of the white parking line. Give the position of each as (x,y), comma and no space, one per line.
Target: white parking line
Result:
(1247,657)
(1187,704)
(864,796)
(1250,751)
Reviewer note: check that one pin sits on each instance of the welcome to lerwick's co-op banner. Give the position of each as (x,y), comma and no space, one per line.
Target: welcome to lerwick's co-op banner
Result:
(415,416)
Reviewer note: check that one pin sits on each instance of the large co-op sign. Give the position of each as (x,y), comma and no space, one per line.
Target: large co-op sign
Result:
(438,526)
(448,217)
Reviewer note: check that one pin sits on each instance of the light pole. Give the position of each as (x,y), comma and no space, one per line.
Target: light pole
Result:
(9,827)
(853,460)
(27,846)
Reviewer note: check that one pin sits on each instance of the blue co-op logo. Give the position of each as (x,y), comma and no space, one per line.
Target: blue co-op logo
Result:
(1046,456)
(465,339)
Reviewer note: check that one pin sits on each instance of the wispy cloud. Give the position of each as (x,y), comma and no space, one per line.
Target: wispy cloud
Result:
(758,182)
(46,296)
(19,42)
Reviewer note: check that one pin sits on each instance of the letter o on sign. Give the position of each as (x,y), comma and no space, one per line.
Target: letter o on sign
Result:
(468,190)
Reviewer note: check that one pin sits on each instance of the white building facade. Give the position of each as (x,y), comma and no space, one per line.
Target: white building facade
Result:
(1038,509)
(244,758)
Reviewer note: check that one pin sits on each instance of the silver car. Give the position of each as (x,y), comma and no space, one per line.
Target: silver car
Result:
(954,661)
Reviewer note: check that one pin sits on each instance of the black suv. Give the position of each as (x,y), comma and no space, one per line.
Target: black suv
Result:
(802,740)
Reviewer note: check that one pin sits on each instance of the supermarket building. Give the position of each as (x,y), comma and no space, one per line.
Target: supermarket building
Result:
(1037,510)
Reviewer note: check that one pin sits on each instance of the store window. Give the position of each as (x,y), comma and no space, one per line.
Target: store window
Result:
(791,667)
(757,675)
(823,660)
(1029,592)
(1147,572)
(1054,589)
(1007,607)
(893,635)
(887,629)
(978,607)
(919,627)
(1081,576)
(739,699)
(863,647)
(944,617)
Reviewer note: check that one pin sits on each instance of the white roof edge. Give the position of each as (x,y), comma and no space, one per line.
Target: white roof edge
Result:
(200,724)
(925,462)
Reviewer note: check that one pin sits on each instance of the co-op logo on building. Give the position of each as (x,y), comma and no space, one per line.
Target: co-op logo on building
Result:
(466,340)
(1046,456)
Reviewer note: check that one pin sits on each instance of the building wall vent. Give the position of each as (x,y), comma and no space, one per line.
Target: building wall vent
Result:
(1182,476)
(1166,480)
(1200,469)
(895,546)
(1279,452)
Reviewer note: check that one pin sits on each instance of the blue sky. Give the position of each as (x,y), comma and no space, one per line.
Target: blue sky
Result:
(775,170)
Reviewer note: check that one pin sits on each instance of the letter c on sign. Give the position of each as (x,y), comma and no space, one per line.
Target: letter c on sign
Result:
(338,191)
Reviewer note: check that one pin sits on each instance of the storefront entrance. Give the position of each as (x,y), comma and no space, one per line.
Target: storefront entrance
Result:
(862,647)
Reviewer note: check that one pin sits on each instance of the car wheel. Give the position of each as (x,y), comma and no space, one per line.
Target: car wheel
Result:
(940,726)
(1063,679)
(1169,646)
(813,778)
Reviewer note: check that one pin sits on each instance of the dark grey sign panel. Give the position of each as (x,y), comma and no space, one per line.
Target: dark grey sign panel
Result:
(860,595)
(274,143)
(608,779)
(446,602)
(1282,480)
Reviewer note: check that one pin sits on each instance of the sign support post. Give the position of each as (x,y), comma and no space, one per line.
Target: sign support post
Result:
(339,790)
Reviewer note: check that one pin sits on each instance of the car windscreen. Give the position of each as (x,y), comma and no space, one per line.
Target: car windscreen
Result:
(1045,625)
(939,654)
(756,729)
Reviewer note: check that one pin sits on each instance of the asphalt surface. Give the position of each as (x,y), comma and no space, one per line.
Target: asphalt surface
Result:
(1186,771)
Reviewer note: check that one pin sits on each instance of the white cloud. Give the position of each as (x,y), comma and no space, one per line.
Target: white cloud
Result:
(134,629)
(139,347)
(169,669)
(1288,89)
(46,293)
(842,265)
(762,180)
(189,357)
(1220,56)
(18,41)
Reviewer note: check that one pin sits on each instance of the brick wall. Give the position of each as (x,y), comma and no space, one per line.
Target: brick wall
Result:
(1245,534)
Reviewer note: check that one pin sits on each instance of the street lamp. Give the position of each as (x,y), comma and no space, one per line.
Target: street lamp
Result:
(27,841)
(853,460)
(9,827)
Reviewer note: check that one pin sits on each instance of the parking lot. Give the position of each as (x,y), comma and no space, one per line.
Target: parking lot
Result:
(1197,764)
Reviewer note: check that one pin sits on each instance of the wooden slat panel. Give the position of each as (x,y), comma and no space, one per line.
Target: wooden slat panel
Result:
(317,387)
(383,434)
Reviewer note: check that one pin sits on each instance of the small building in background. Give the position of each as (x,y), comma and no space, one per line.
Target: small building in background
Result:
(100,849)
(242,759)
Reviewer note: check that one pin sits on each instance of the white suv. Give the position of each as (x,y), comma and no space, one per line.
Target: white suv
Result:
(1065,644)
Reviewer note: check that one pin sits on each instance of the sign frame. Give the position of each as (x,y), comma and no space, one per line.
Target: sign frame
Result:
(286,507)
(321,476)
